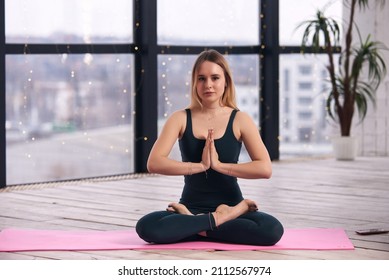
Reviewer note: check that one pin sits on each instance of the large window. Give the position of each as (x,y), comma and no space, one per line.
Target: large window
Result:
(80,76)
(68,115)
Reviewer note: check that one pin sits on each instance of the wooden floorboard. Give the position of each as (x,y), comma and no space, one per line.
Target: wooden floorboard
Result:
(321,193)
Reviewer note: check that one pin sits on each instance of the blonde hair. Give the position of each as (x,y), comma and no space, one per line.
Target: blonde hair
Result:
(228,98)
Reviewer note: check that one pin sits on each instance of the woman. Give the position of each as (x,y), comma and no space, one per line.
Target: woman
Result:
(210,134)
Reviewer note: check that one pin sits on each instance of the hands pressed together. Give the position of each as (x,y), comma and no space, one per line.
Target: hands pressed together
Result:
(210,157)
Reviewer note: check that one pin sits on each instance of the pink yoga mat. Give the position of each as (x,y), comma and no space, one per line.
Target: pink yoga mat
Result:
(12,240)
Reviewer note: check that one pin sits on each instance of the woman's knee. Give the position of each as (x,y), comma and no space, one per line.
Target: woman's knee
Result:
(269,229)
(276,232)
(148,229)
(141,228)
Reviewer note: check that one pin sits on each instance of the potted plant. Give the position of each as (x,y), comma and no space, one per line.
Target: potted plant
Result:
(360,70)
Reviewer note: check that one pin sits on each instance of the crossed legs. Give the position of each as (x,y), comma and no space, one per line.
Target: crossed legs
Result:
(233,224)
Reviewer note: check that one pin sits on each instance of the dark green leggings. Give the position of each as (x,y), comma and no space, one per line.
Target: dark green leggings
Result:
(253,228)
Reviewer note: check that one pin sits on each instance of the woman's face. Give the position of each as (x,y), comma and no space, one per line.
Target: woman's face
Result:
(210,83)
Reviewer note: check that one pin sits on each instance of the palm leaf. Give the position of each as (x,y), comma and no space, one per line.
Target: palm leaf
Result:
(369,53)
(332,110)
(364,91)
(319,32)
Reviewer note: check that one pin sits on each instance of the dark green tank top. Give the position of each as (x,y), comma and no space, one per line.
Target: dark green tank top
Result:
(204,192)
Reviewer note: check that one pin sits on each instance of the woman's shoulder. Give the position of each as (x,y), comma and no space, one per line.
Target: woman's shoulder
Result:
(244,122)
(176,122)
(178,114)
(243,116)
(177,117)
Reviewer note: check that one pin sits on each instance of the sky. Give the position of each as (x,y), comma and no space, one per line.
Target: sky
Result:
(198,20)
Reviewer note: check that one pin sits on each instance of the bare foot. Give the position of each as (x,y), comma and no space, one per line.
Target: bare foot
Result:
(178,208)
(225,213)
(252,205)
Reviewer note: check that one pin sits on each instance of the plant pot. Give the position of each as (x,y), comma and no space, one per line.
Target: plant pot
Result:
(345,147)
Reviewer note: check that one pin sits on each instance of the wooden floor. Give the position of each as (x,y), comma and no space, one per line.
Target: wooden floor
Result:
(322,193)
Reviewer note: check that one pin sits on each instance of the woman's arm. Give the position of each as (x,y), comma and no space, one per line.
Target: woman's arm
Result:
(159,161)
(260,164)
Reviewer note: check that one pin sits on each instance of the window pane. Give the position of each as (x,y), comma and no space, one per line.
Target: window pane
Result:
(291,15)
(208,22)
(304,126)
(68,21)
(174,72)
(68,116)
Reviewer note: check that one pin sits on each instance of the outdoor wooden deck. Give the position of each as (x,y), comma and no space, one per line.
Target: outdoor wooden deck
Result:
(320,193)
